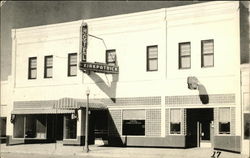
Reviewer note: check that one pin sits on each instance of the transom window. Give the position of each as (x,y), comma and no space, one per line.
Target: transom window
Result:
(32,68)
(152,58)
(111,57)
(72,64)
(184,55)
(48,66)
(207,53)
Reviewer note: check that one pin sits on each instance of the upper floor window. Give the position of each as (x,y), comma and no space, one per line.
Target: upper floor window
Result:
(32,68)
(207,53)
(111,57)
(224,120)
(152,58)
(48,66)
(184,55)
(72,64)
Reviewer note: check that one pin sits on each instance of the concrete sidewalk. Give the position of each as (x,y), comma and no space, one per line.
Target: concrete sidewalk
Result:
(115,152)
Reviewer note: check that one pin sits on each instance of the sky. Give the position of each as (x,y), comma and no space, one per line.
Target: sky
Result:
(20,14)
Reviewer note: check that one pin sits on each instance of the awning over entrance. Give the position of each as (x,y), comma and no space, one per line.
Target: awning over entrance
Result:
(61,106)
(72,103)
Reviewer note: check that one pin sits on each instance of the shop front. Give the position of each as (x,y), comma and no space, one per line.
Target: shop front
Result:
(64,122)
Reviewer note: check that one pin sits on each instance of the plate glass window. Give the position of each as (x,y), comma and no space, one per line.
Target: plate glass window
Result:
(111,57)
(175,121)
(48,66)
(133,122)
(152,58)
(70,127)
(184,55)
(72,64)
(32,68)
(207,53)
(224,121)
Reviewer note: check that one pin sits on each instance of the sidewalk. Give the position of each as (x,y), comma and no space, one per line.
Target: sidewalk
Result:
(123,152)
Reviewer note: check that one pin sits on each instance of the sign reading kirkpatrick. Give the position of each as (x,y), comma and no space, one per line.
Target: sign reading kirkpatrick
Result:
(99,67)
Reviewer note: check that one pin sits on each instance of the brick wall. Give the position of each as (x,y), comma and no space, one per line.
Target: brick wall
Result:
(232,128)
(153,122)
(114,123)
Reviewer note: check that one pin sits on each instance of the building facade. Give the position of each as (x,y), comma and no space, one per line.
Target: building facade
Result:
(177,81)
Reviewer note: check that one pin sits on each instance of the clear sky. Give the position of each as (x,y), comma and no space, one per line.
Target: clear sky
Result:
(19,14)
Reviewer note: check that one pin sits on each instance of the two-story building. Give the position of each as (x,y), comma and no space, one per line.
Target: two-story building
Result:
(169,77)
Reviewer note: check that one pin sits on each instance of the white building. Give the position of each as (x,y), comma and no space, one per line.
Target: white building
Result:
(179,80)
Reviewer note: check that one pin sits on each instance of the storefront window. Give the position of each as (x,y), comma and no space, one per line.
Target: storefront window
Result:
(224,121)
(19,126)
(175,121)
(247,126)
(133,122)
(30,126)
(70,127)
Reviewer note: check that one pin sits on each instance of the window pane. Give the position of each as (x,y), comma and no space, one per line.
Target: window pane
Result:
(185,49)
(224,128)
(49,61)
(30,127)
(208,60)
(73,59)
(133,127)
(33,63)
(72,70)
(70,127)
(133,114)
(41,126)
(49,72)
(175,128)
(208,46)
(224,115)
(153,64)
(19,126)
(111,56)
(247,126)
(185,62)
(152,52)
(33,73)
(175,115)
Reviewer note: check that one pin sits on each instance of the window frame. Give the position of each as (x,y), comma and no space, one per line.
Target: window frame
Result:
(48,67)
(170,122)
(65,130)
(181,56)
(71,65)
(115,60)
(144,119)
(208,54)
(148,59)
(219,123)
(30,68)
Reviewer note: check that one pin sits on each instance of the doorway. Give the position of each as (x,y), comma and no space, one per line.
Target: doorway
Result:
(199,129)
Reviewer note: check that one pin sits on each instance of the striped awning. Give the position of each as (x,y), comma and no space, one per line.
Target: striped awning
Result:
(73,103)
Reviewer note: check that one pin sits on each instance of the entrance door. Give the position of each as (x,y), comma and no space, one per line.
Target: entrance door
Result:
(198,127)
